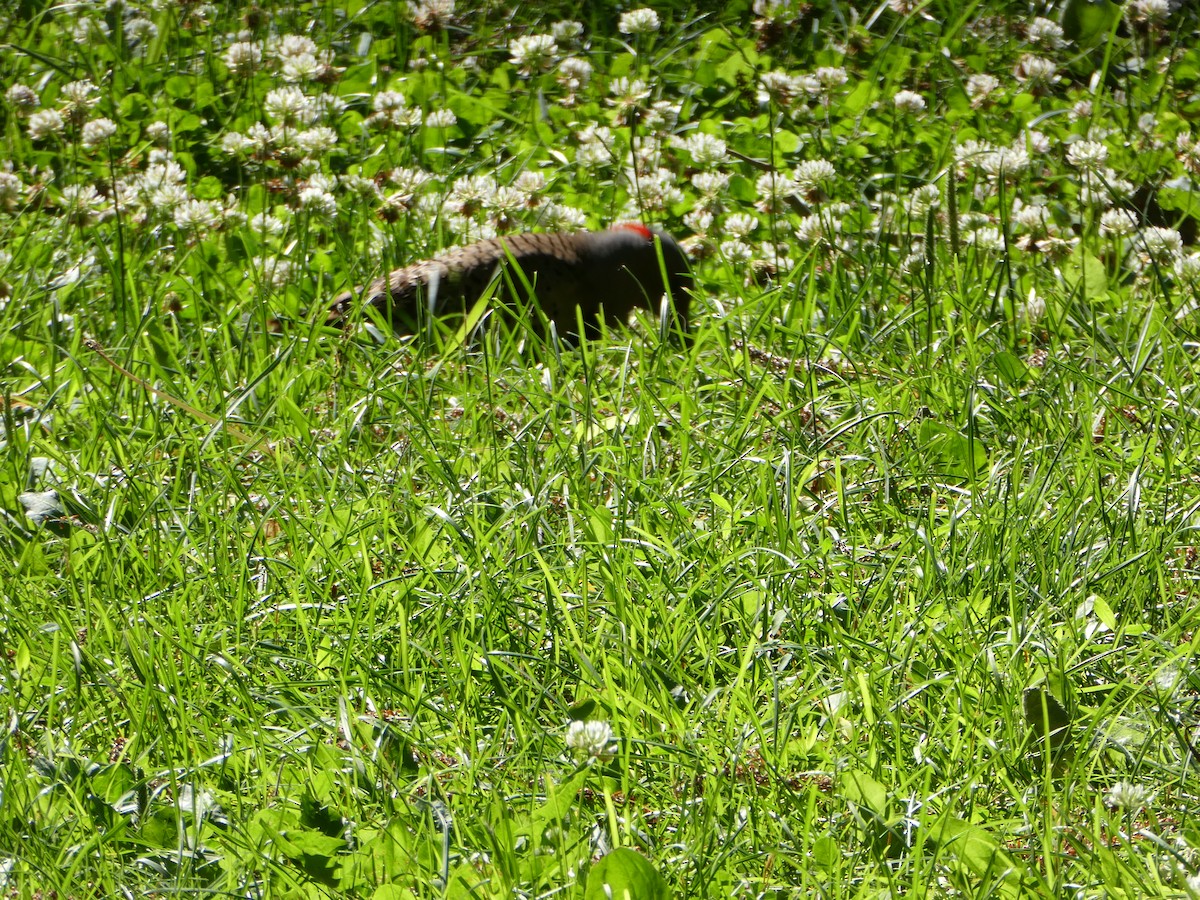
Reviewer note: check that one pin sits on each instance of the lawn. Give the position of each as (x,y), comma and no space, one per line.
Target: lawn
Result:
(878,583)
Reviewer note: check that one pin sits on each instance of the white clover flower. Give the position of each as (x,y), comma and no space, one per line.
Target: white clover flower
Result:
(593,133)
(780,88)
(1082,110)
(980,88)
(1055,245)
(813,175)
(507,204)
(97,131)
(1003,162)
(360,186)
(389,109)
(781,11)
(243,58)
(318,201)
(593,155)
(1046,33)
(1035,71)
(12,189)
(88,30)
(470,230)
(1034,308)
(737,251)
(567,31)
(322,182)
(973,221)
(638,21)
(654,190)
(233,218)
(1033,216)
(710,184)
(698,220)
(291,45)
(234,143)
(661,117)
(21,98)
(1036,141)
(1187,268)
(289,106)
(167,198)
(909,102)
(628,93)
(45,123)
(266,224)
(1187,151)
(409,181)
(1153,11)
(1128,796)
(196,217)
(564,218)
(987,239)
(772,188)
(1088,156)
(923,199)
(82,94)
(1118,223)
(591,740)
(1158,246)
(158,132)
(431,15)
(645,156)
(471,194)
(810,230)
(530,183)
(705,149)
(160,174)
(1104,190)
(441,118)
(574,73)
(328,106)
(274,270)
(140,30)
(831,77)
(82,204)
(595,147)
(533,53)
(303,68)
(915,260)
(317,141)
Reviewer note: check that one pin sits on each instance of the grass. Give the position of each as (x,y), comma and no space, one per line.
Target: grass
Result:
(297,612)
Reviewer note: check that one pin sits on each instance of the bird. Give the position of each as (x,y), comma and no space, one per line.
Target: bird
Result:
(600,274)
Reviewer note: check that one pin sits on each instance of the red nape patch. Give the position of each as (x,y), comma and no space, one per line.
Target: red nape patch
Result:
(634,226)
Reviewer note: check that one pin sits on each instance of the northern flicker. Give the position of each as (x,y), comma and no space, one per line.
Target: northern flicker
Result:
(597,272)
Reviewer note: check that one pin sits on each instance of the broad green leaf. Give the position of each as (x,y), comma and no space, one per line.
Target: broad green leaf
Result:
(826,852)
(625,875)
(982,854)
(859,787)
(1011,368)
(559,799)
(1084,271)
(1087,23)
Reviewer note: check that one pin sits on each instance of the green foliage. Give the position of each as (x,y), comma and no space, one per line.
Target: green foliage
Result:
(627,875)
(881,583)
